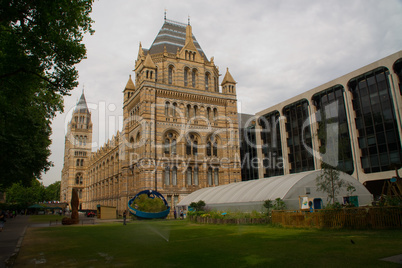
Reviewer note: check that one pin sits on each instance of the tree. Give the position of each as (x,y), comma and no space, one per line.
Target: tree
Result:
(40,42)
(52,192)
(25,196)
(198,206)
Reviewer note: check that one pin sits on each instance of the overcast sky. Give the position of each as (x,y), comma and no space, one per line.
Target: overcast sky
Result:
(274,50)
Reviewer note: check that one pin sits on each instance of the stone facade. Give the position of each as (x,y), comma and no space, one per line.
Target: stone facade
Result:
(180,130)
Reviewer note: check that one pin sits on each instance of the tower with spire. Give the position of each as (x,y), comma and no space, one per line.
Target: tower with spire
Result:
(77,151)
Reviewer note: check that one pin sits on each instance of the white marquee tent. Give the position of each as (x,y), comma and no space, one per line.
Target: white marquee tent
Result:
(293,189)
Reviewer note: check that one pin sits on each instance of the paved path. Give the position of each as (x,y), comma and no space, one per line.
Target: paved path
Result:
(11,237)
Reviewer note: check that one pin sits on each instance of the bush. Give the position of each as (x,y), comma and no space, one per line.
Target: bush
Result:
(146,204)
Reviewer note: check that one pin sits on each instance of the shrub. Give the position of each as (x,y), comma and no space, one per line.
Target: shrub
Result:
(146,204)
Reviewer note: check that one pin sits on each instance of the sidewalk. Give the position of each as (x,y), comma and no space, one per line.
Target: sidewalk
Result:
(11,237)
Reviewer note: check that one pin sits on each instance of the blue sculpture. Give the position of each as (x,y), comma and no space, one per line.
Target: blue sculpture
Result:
(148,215)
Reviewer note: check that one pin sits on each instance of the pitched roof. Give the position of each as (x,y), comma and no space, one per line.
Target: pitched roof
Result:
(172,35)
(228,78)
(130,84)
(82,106)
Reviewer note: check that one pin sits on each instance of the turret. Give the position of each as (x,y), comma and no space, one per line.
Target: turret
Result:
(228,84)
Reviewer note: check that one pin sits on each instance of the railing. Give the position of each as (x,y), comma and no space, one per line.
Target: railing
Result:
(354,218)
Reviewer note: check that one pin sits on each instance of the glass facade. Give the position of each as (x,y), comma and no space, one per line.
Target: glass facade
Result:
(398,71)
(299,158)
(248,153)
(375,120)
(271,144)
(321,100)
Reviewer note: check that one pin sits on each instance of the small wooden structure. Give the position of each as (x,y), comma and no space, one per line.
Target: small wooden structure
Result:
(105,212)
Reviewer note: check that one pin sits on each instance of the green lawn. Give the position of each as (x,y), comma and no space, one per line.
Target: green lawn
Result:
(183,244)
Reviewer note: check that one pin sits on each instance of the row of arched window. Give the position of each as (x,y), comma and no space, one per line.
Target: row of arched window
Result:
(190,78)
(79,179)
(80,140)
(191,176)
(192,142)
(171,109)
(80,162)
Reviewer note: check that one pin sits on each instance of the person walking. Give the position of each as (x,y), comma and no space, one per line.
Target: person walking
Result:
(124,217)
(2,219)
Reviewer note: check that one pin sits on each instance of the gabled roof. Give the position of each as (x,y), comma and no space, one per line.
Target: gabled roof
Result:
(82,106)
(172,35)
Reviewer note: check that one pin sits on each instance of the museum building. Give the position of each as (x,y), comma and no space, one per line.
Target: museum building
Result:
(179,126)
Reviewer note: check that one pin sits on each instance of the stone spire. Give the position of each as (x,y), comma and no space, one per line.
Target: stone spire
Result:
(82,106)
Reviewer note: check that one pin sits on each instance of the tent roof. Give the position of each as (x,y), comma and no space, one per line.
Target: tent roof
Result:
(247,191)
(287,187)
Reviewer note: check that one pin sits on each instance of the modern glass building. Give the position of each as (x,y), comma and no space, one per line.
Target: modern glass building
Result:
(362,109)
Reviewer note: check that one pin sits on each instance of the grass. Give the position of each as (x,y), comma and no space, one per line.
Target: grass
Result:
(184,244)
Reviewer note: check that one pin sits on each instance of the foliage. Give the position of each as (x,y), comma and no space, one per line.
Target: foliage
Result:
(393,201)
(146,204)
(26,196)
(40,42)
(277,204)
(329,182)
(52,192)
(198,206)
(335,205)
(34,193)
(227,214)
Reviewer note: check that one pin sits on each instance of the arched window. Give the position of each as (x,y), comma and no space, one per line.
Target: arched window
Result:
(191,145)
(85,140)
(78,162)
(196,175)
(80,140)
(215,149)
(156,74)
(195,147)
(167,146)
(215,113)
(206,81)
(167,175)
(174,146)
(212,146)
(82,162)
(78,178)
(170,143)
(194,77)
(189,176)
(209,113)
(216,85)
(174,175)
(195,110)
(186,70)
(167,106)
(188,147)
(174,109)
(209,176)
(188,111)
(216,176)
(209,145)
(170,75)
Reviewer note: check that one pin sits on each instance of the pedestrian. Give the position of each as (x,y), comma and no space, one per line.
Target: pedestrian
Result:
(124,217)
(2,219)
